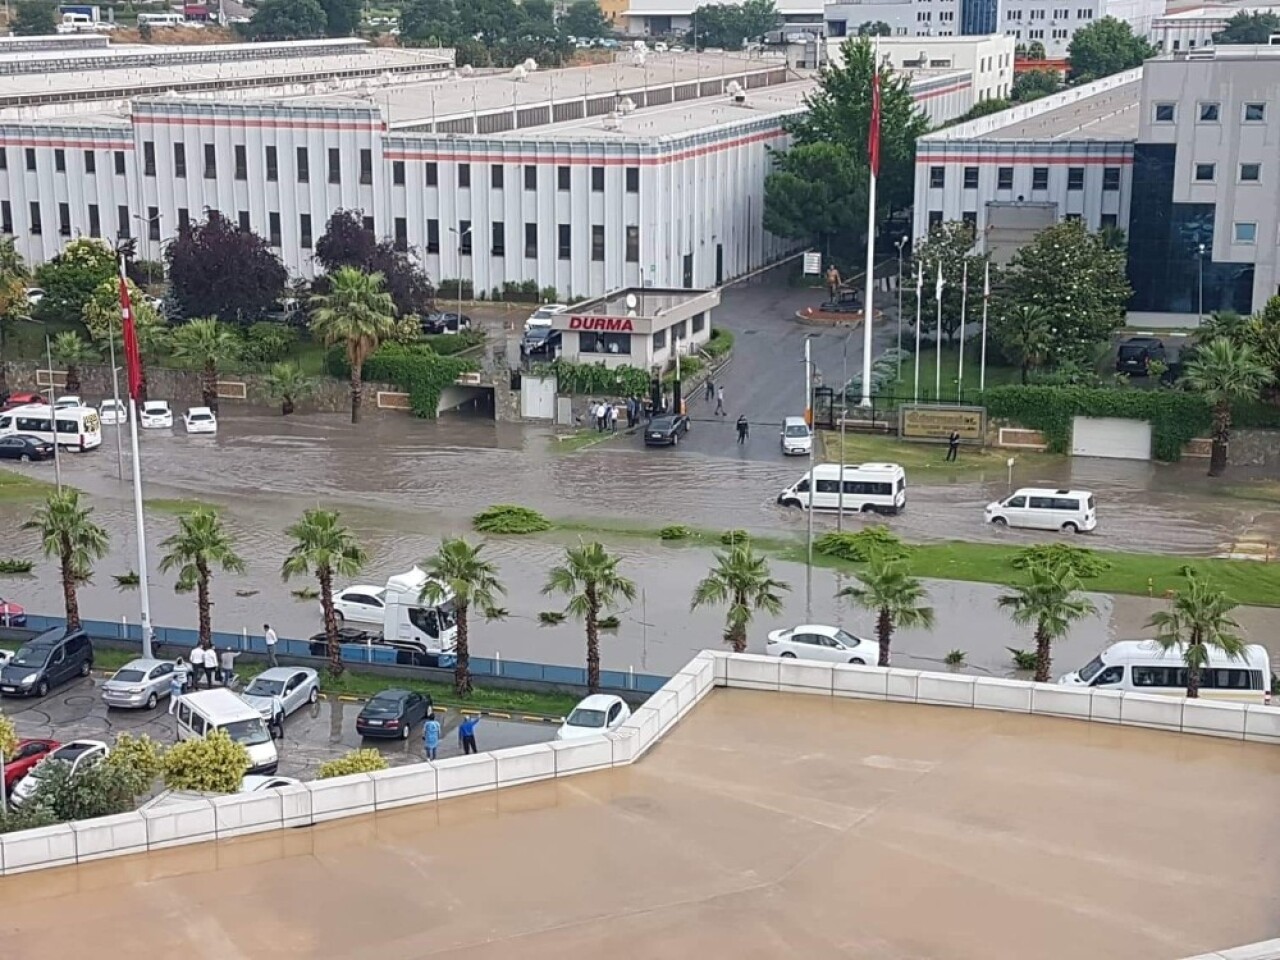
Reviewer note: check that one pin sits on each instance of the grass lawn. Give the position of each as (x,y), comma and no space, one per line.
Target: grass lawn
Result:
(1266,491)
(580,440)
(16,487)
(918,458)
(903,389)
(177,506)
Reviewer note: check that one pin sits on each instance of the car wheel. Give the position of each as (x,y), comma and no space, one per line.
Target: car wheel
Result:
(42,688)
(315,695)
(152,701)
(404,732)
(788,656)
(1070,528)
(859,661)
(675,439)
(868,508)
(25,458)
(85,667)
(1000,521)
(338,617)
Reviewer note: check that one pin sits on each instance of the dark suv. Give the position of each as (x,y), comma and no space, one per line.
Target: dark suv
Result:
(1136,354)
(53,657)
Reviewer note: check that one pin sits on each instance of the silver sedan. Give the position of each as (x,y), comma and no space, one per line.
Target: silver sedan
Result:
(139,683)
(282,690)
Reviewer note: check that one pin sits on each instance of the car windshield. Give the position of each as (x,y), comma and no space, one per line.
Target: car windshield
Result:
(202,416)
(1131,350)
(660,423)
(1091,669)
(154,408)
(249,732)
(797,430)
(129,676)
(382,707)
(848,639)
(582,717)
(265,688)
(31,657)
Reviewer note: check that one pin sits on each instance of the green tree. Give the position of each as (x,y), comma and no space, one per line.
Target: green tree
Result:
(70,279)
(71,350)
(1035,51)
(323,547)
(1246,27)
(206,344)
(1034,84)
(1196,624)
(950,244)
(589,578)
(1225,373)
(1105,47)
(458,572)
(729,25)
(289,20)
(742,580)
(101,315)
(68,533)
(287,383)
(342,17)
(357,313)
(875,28)
(887,588)
(813,195)
(209,764)
(983,108)
(429,23)
(1078,279)
(584,19)
(35,18)
(201,544)
(139,759)
(1051,602)
(1024,335)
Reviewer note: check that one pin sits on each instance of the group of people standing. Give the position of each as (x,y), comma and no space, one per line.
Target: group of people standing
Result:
(466,735)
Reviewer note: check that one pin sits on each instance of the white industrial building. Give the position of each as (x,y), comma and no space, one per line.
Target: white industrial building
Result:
(988,60)
(665,18)
(1194,28)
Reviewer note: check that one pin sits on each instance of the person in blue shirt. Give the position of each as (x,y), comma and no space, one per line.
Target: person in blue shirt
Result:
(467,735)
(431,736)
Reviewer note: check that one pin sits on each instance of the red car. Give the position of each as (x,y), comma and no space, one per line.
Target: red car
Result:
(29,753)
(12,615)
(21,399)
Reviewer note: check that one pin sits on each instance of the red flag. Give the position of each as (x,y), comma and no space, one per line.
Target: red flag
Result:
(132,360)
(873,139)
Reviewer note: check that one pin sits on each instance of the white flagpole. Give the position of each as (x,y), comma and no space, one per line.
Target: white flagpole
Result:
(144,597)
(868,310)
(937,369)
(919,301)
(964,305)
(986,296)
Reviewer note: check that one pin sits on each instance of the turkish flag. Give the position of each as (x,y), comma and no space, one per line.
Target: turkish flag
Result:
(873,138)
(132,359)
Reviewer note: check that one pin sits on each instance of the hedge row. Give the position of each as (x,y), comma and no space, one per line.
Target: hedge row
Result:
(418,370)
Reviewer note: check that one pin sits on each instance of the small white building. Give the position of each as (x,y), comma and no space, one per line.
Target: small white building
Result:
(644,327)
(987,59)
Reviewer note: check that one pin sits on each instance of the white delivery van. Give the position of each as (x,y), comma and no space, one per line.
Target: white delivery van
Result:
(797,438)
(868,488)
(1143,666)
(204,711)
(1071,511)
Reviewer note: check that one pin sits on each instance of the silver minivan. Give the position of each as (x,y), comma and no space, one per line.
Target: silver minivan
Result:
(139,683)
(797,438)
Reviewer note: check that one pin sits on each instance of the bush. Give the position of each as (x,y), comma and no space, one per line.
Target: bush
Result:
(721,342)
(414,368)
(675,531)
(596,380)
(10,566)
(447,344)
(551,295)
(551,618)
(609,622)
(859,547)
(8,736)
(99,791)
(955,658)
(267,342)
(524,292)
(734,537)
(214,764)
(448,289)
(509,518)
(138,759)
(1023,659)
(1082,562)
(367,760)
(27,817)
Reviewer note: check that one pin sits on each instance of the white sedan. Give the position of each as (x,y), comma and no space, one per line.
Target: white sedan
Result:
(80,754)
(256,783)
(156,414)
(282,689)
(360,604)
(200,420)
(113,411)
(598,713)
(812,641)
(68,402)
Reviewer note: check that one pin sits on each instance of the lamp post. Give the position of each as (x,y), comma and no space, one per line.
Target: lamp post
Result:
(808,413)
(460,234)
(53,415)
(844,404)
(1200,285)
(900,244)
(149,221)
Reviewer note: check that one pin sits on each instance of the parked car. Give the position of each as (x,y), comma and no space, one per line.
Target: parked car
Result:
(445,322)
(80,754)
(21,398)
(11,615)
(139,683)
(598,713)
(27,754)
(25,447)
(1136,353)
(542,316)
(360,604)
(34,296)
(797,438)
(540,342)
(68,402)
(200,420)
(393,713)
(665,431)
(113,411)
(7,655)
(156,414)
(54,657)
(812,641)
(256,783)
(293,686)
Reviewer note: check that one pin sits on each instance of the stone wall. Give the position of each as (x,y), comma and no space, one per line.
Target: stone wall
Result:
(1254,448)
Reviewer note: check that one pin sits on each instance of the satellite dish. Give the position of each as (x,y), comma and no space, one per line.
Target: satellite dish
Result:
(467,70)
(530,64)
(631,301)
(518,72)
(626,105)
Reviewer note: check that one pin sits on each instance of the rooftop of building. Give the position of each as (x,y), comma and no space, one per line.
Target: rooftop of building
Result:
(764,825)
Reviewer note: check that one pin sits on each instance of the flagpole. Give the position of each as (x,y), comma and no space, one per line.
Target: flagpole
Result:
(964,305)
(115,395)
(919,301)
(937,368)
(873,143)
(986,296)
(53,417)
(129,335)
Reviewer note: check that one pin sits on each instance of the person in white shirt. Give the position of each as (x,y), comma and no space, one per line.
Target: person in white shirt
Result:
(272,639)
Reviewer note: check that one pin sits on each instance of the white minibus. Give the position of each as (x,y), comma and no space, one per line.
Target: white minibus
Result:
(1143,666)
(1070,511)
(78,427)
(868,488)
(204,711)
(162,19)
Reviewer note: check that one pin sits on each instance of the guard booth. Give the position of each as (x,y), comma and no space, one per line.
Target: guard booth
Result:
(825,408)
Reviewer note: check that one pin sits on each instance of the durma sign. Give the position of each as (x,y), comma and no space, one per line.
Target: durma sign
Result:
(602,324)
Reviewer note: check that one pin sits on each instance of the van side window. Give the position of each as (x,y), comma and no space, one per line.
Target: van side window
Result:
(1042,503)
(1062,503)
(184,714)
(1109,676)
(803,486)
(829,486)
(1018,502)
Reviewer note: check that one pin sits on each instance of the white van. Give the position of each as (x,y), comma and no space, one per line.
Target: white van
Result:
(1071,511)
(868,488)
(1143,666)
(79,428)
(797,438)
(204,711)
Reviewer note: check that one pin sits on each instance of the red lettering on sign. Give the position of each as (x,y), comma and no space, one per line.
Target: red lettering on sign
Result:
(609,324)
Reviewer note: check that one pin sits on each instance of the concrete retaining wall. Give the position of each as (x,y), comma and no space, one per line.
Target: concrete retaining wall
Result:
(1264,950)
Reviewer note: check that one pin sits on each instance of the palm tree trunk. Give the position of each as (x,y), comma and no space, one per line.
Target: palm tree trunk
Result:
(1221,433)
(736,634)
(1193,682)
(332,648)
(202,603)
(884,632)
(1044,656)
(462,655)
(1025,366)
(210,386)
(357,388)
(70,601)
(593,641)
(73,378)
(286,406)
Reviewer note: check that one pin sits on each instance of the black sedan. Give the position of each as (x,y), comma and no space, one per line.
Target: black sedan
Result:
(445,322)
(665,431)
(393,713)
(22,446)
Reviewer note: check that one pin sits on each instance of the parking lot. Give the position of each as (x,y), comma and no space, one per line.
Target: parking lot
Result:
(312,735)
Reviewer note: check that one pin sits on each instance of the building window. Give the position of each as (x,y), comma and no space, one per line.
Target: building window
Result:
(1074,217)
(633,179)
(397,172)
(210,162)
(366,166)
(180,161)
(464,237)
(36,226)
(4,157)
(1255,112)
(498,237)
(122,222)
(496,174)
(1204,172)
(1061,14)
(243,218)
(273,228)
(1039,178)
(530,240)
(1164,113)
(1004,178)
(935,219)
(6,217)
(153,224)
(1109,221)
(1250,172)
(433,174)
(1037,14)
(119,162)
(562,178)
(433,236)
(367,224)
(64,219)
(95,221)
(615,343)
(564,246)
(530,177)
(1208,113)
(401,234)
(633,244)
(31,158)
(597,179)
(597,243)
(1245,232)
(971,178)
(970,219)
(699,323)
(659,340)
(1084,13)
(242,162)
(184,219)
(1075,178)
(304,231)
(335,165)
(464,174)
(60,160)
(937,177)
(273,165)
(1110,178)
(304,165)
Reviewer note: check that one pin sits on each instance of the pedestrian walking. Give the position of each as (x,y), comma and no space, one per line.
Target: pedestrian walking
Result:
(613,417)
(227,660)
(177,683)
(431,736)
(720,410)
(272,640)
(710,393)
(209,662)
(744,429)
(601,413)
(953,446)
(467,735)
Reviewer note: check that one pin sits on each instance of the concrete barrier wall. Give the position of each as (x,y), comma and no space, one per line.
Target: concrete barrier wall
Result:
(1264,950)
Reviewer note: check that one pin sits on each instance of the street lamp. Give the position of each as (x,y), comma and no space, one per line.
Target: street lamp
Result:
(844,403)
(900,244)
(1200,285)
(808,414)
(461,234)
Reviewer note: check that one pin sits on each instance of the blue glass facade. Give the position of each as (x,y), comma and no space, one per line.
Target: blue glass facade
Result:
(979,17)
(1164,245)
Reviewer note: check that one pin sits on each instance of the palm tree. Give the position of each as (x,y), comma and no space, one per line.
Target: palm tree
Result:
(589,577)
(741,579)
(357,312)
(68,533)
(1049,600)
(1026,334)
(887,588)
(200,544)
(323,547)
(206,343)
(70,349)
(1196,623)
(458,572)
(287,383)
(1225,372)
